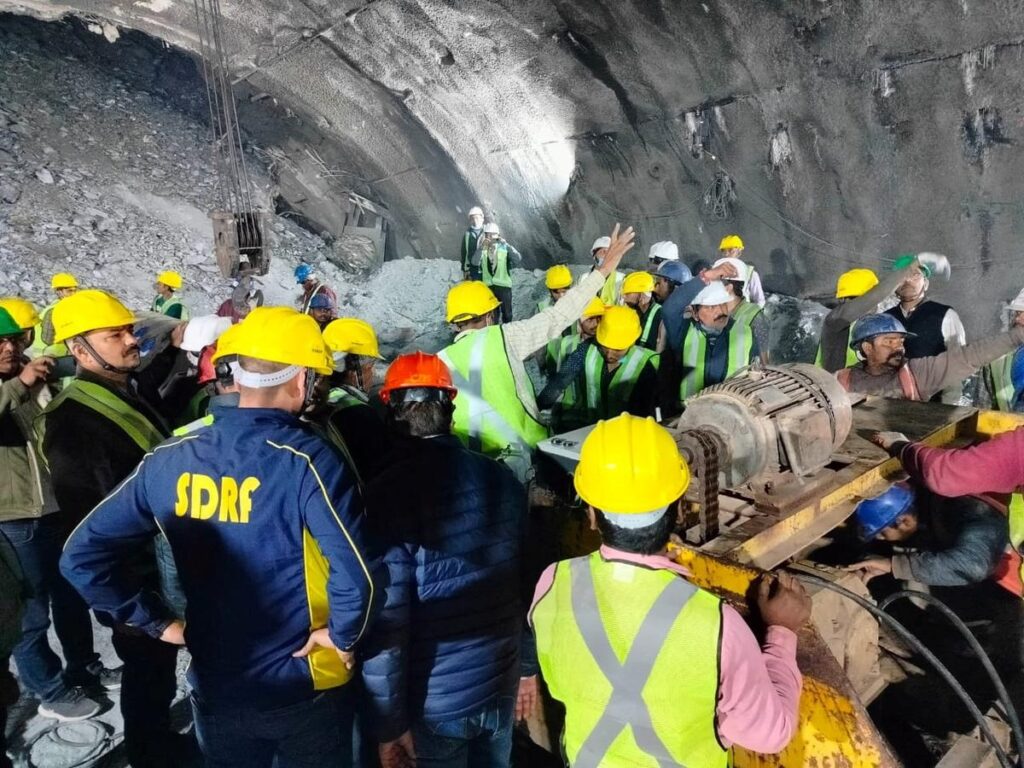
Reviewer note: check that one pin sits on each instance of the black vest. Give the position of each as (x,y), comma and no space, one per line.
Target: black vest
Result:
(926,322)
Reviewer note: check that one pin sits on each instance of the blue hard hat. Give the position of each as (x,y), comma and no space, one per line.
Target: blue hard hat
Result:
(302,273)
(675,271)
(875,325)
(880,512)
(321,301)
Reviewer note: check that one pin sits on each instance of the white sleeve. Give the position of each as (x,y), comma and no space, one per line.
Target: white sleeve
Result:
(953,329)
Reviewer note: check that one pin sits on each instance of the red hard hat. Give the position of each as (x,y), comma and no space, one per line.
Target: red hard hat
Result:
(418,369)
(207,373)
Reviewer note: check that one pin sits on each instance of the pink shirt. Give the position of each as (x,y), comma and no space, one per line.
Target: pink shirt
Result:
(995,466)
(759,693)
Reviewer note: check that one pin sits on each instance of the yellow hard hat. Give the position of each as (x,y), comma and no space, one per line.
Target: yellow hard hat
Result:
(729,242)
(170,278)
(63,280)
(279,335)
(557,277)
(88,310)
(595,308)
(854,283)
(469,299)
(638,282)
(349,335)
(22,311)
(227,342)
(619,328)
(630,465)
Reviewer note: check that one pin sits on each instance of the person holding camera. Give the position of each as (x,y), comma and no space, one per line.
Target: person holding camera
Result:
(492,256)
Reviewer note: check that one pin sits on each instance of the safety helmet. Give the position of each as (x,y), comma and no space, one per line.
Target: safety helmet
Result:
(904,260)
(8,325)
(665,250)
(595,308)
(557,277)
(63,280)
(22,311)
(203,331)
(1017,305)
(712,294)
(476,210)
(279,335)
(675,272)
(638,282)
(741,267)
(351,336)
(601,242)
(729,242)
(170,278)
(302,273)
(321,301)
(417,370)
(855,282)
(227,343)
(469,299)
(630,466)
(490,228)
(880,512)
(85,311)
(619,328)
(870,326)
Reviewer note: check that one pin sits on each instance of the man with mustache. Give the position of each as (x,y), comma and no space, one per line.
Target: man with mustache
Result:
(885,370)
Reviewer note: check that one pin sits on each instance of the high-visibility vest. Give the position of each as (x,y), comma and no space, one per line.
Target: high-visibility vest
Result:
(489,416)
(851,355)
(570,412)
(194,425)
(160,304)
(633,653)
(999,381)
(744,314)
(611,291)
(1016,515)
(695,352)
(649,332)
(41,345)
(342,397)
(500,276)
(620,388)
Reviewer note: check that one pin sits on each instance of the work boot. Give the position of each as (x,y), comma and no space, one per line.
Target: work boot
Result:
(71,707)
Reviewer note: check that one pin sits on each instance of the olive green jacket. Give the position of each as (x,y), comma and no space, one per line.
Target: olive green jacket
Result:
(25,488)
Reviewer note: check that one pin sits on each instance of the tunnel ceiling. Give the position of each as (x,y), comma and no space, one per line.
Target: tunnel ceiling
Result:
(828,134)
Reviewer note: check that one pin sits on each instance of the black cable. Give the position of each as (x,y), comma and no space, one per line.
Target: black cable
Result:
(931,658)
(1004,697)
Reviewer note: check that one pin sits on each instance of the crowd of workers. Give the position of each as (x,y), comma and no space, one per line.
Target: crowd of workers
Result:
(351,566)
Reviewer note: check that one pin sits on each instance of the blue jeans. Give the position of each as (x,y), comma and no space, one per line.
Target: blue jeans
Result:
(37,543)
(316,733)
(482,740)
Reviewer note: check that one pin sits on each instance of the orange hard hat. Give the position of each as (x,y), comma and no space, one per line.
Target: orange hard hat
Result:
(207,372)
(419,370)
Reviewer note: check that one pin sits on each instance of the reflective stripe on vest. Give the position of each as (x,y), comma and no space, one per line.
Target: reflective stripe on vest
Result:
(489,416)
(1016,515)
(611,291)
(851,356)
(640,684)
(695,351)
(500,276)
(620,388)
(999,377)
(573,400)
(341,398)
(745,313)
(111,407)
(168,304)
(650,329)
(194,426)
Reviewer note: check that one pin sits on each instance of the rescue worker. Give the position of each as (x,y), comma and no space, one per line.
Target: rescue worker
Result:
(199,342)
(746,314)
(661,252)
(651,669)
(584,330)
(611,290)
(444,660)
(166,302)
(714,349)
(669,276)
(496,411)
(731,247)
(13,591)
(266,525)
(471,271)
(322,309)
(638,294)
(62,284)
(884,369)
(30,523)
(495,257)
(557,280)
(354,349)
(93,435)
(311,286)
(998,375)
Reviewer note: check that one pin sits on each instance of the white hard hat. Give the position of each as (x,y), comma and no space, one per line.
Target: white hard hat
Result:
(601,242)
(742,270)
(490,228)
(1017,305)
(714,293)
(475,211)
(666,250)
(203,331)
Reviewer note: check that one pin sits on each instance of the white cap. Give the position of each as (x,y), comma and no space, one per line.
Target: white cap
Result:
(476,210)
(742,270)
(203,331)
(601,242)
(1017,305)
(713,293)
(490,228)
(665,250)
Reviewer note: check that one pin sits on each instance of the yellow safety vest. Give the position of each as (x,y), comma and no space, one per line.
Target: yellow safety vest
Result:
(160,304)
(633,653)
(620,388)
(999,381)
(1015,513)
(500,276)
(611,291)
(489,417)
(649,334)
(695,352)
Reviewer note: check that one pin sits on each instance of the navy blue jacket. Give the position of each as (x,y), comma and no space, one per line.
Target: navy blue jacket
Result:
(268,535)
(448,640)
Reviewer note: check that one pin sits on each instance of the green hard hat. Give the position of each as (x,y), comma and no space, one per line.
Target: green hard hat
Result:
(904,260)
(8,326)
